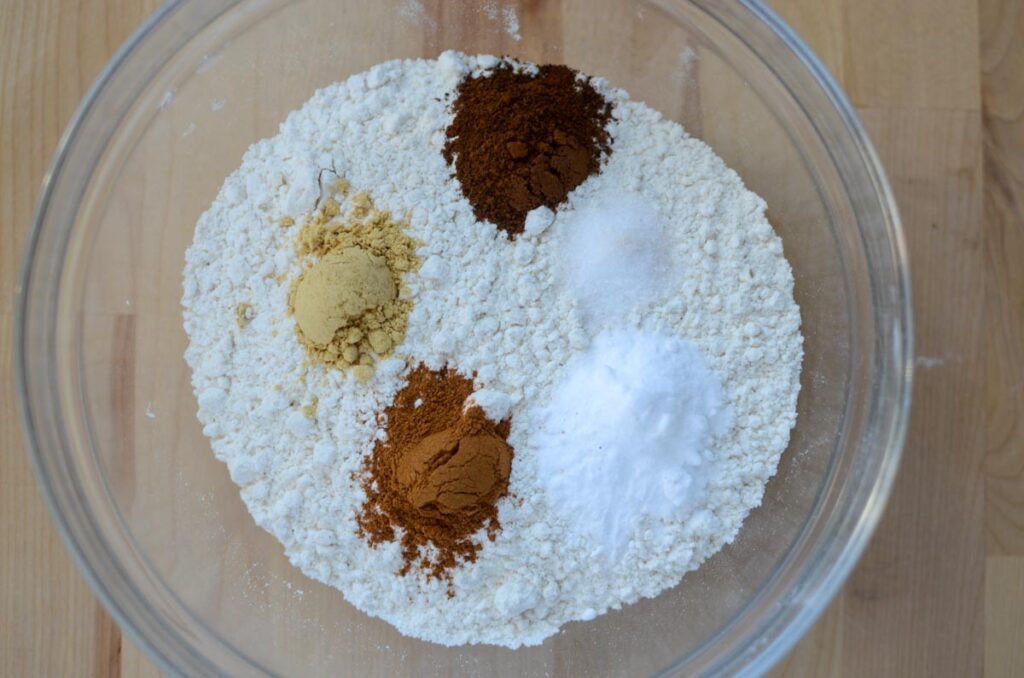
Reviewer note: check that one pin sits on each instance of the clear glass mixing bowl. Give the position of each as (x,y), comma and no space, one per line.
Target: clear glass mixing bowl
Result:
(153,520)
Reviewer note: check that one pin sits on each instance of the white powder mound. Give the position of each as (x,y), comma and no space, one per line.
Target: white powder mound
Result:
(484,305)
(625,436)
(613,256)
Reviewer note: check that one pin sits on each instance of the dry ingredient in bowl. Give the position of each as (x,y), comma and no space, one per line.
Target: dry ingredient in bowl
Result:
(341,287)
(351,305)
(613,256)
(533,373)
(438,474)
(524,138)
(626,435)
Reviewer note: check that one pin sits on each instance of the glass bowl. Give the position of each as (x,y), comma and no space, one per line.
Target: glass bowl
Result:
(154,522)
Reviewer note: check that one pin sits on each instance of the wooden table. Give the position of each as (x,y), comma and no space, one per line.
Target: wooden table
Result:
(940,85)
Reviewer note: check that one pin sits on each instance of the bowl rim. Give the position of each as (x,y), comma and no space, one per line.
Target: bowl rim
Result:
(837,573)
(894,437)
(84,567)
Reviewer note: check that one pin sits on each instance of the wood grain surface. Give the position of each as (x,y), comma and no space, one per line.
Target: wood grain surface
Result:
(940,86)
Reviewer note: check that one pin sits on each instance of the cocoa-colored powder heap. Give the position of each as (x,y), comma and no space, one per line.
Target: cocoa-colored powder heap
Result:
(438,475)
(521,140)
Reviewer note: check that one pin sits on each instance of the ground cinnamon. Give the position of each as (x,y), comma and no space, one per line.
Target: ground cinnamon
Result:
(437,476)
(520,140)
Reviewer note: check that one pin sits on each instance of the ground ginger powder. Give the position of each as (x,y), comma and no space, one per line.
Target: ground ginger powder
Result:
(350,303)
(339,289)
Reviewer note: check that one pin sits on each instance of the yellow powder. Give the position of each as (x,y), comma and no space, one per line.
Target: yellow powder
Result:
(348,302)
(243,314)
(341,287)
(331,208)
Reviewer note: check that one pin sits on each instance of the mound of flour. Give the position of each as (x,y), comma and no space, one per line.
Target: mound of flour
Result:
(484,305)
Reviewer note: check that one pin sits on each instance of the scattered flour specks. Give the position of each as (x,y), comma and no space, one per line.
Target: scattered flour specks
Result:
(414,11)
(484,305)
(511,20)
(506,16)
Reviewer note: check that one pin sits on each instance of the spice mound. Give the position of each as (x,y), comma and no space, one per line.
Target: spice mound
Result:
(338,289)
(438,476)
(350,304)
(458,470)
(524,139)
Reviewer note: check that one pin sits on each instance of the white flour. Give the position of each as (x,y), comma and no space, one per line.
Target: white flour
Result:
(487,305)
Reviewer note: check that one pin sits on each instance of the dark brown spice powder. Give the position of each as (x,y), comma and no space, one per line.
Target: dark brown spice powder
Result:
(520,140)
(438,475)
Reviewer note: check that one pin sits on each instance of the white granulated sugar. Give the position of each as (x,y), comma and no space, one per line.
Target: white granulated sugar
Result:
(612,255)
(641,408)
(485,305)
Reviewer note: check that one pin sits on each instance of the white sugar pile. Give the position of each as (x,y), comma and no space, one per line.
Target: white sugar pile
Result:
(614,256)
